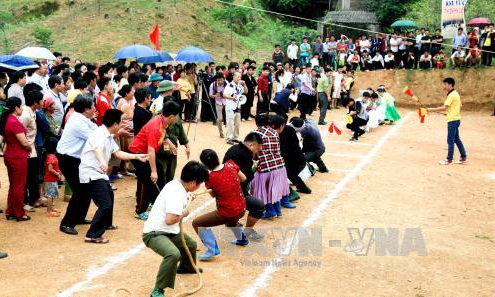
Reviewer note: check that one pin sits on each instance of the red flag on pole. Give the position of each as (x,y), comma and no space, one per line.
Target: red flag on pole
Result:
(155,37)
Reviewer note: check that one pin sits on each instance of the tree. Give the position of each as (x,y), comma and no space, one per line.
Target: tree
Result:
(389,11)
(300,8)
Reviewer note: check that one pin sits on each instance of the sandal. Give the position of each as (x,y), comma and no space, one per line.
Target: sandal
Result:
(112,227)
(56,210)
(52,214)
(23,218)
(99,240)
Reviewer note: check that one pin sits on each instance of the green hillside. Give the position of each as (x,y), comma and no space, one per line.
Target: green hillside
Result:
(95,30)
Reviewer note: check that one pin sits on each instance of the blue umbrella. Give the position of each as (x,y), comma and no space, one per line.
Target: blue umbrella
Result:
(162,56)
(193,54)
(15,62)
(135,51)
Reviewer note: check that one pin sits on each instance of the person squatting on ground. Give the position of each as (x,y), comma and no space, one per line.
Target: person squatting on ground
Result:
(99,148)
(224,183)
(161,231)
(270,180)
(242,154)
(313,146)
(452,107)
(357,110)
(291,152)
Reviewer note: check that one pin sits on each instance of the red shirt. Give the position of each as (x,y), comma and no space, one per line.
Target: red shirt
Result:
(263,84)
(14,148)
(152,134)
(102,105)
(51,159)
(226,185)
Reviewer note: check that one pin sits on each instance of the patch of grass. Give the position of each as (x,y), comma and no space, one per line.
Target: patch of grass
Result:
(485,237)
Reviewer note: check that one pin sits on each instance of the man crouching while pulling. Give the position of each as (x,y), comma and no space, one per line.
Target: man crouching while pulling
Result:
(161,231)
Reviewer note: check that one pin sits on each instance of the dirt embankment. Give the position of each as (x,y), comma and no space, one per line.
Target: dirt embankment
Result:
(475,85)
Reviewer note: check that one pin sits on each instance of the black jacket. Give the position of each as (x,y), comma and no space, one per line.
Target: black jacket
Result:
(291,151)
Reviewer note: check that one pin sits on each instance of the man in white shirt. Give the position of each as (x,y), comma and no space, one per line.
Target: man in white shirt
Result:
(39,77)
(232,93)
(389,60)
(97,151)
(292,50)
(77,130)
(457,57)
(57,86)
(161,231)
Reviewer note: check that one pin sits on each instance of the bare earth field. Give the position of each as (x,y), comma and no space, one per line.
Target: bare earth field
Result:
(389,179)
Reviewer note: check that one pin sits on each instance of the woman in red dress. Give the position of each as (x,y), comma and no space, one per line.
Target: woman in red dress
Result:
(224,183)
(15,158)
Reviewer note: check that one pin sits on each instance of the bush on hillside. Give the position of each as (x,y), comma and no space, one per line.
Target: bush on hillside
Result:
(43,35)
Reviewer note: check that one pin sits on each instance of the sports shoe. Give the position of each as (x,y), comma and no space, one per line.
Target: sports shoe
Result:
(286,203)
(462,161)
(252,235)
(29,208)
(141,216)
(445,162)
(157,293)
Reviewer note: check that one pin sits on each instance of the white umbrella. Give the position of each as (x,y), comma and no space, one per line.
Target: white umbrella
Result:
(36,53)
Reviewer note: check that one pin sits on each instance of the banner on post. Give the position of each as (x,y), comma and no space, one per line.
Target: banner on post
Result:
(452,17)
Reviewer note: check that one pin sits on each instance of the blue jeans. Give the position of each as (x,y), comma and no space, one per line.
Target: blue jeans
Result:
(304,61)
(323,100)
(453,138)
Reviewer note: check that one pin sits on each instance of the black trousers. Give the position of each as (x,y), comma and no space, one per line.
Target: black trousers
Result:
(293,175)
(32,193)
(80,201)
(263,106)
(304,101)
(166,165)
(246,107)
(486,58)
(315,157)
(255,206)
(102,195)
(313,102)
(146,190)
(356,126)
(276,108)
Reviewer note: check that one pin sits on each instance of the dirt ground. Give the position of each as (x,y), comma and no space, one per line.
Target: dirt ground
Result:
(389,179)
(475,85)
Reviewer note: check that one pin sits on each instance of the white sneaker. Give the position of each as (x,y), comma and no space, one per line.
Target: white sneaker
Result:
(29,208)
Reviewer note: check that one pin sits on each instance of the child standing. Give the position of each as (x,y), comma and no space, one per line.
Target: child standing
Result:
(51,177)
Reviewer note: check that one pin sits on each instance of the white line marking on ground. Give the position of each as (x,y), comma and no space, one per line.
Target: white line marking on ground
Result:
(345,155)
(348,142)
(262,279)
(338,170)
(118,259)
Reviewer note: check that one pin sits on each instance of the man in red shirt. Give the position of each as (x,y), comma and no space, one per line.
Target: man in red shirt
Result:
(148,141)
(104,98)
(263,98)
